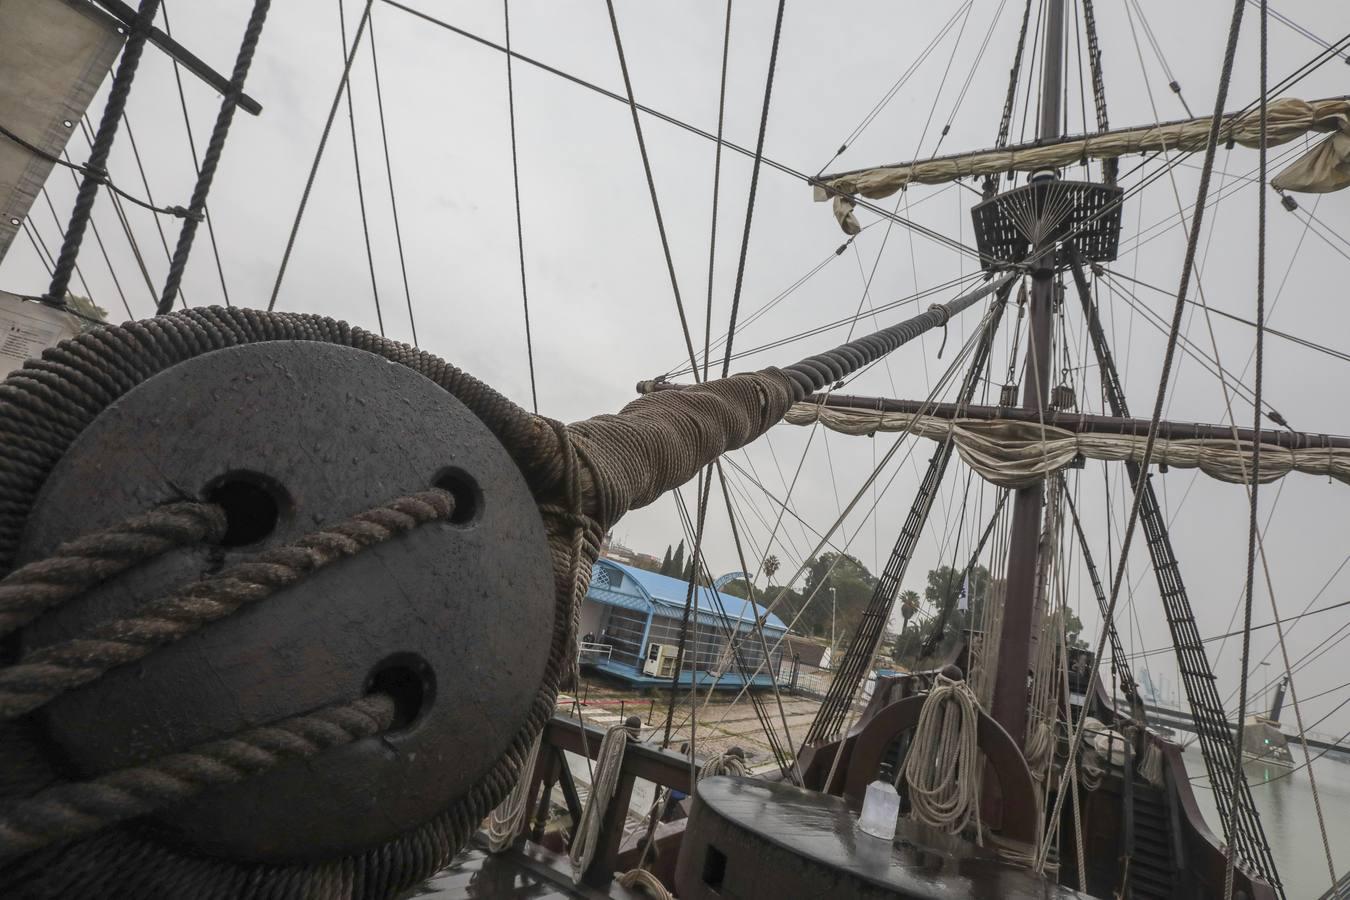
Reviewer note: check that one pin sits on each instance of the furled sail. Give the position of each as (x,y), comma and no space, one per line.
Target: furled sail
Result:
(53,57)
(1017,454)
(1322,169)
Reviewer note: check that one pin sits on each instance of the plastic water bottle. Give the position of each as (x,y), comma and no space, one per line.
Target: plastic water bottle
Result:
(881,808)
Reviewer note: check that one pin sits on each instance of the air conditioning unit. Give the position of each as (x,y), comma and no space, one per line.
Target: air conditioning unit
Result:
(660,660)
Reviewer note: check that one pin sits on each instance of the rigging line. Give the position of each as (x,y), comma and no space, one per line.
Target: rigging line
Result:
(960,281)
(944,382)
(786,760)
(716,189)
(1311,345)
(777,501)
(360,189)
(145,183)
(51,207)
(97,176)
(754,184)
(1157,651)
(1187,345)
(1253,489)
(1325,239)
(215,148)
(1162,59)
(393,201)
(896,86)
(758,625)
(318,155)
(1297,28)
(974,65)
(777,298)
(1187,267)
(515,184)
(1013,78)
(38,249)
(103,251)
(862,203)
(651,188)
(122,219)
(196,165)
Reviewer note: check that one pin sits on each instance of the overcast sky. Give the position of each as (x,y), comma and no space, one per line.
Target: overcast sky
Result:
(602,309)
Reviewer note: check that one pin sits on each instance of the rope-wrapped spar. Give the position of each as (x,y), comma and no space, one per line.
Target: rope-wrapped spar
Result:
(660,440)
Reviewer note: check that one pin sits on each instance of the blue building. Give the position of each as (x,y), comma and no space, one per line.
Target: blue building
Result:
(630,627)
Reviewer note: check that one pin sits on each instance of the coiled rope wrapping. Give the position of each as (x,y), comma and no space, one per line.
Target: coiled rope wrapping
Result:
(47,404)
(942,767)
(504,823)
(71,810)
(646,882)
(723,764)
(604,779)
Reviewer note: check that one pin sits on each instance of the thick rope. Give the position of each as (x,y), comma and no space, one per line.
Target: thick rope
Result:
(214,148)
(46,405)
(503,825)
(942,768)
(724,764)
(80,564)
(48,672)
(69,811)
(646,882)
(603,781)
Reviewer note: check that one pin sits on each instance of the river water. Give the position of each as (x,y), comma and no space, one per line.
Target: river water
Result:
(1285,801)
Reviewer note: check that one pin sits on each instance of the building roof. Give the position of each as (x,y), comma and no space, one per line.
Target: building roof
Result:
(639,589)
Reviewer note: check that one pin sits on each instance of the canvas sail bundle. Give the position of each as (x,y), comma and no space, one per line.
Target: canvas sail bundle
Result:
(1324,168)
(1017,454)
(53,57)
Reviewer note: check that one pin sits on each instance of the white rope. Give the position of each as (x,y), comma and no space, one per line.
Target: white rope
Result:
(723,764)
(505,821)
(603,781)
(646,881)
(942,768)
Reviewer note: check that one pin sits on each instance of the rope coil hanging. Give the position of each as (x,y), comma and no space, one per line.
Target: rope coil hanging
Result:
(942,766)
(604,779)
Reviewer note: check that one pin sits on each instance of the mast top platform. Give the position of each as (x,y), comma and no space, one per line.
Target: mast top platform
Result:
(1008,226)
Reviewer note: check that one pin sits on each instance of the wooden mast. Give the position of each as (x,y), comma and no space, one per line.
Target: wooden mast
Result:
(1009,705)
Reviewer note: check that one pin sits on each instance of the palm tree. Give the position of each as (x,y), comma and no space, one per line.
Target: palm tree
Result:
(909,605)
(770,567)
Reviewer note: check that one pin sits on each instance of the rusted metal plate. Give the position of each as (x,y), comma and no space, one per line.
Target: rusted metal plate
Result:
(466,608)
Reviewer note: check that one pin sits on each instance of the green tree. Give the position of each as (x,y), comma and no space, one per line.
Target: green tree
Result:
(677,563)
(909,605)
(770,567)
(853,585)
(941,591)
(665,562)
